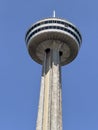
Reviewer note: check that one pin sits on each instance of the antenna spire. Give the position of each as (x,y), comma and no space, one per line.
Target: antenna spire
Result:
(54,13)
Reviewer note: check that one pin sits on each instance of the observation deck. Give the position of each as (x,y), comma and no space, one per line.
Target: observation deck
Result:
(45,33)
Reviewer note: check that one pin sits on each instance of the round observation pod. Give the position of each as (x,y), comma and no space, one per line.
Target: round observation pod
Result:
(43,34)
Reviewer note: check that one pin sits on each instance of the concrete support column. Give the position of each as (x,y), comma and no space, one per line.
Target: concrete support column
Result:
(50,103)
(39,122)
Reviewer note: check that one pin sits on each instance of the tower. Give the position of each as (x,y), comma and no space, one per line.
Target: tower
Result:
(52,42)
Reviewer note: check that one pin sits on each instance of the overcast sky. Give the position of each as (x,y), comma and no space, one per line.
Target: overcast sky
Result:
(20,75)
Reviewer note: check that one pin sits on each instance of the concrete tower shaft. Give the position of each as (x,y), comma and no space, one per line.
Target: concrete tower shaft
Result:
(50,104)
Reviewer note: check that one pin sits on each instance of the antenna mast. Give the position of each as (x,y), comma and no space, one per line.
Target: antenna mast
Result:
(54,13)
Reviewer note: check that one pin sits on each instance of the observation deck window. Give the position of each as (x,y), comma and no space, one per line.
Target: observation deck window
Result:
(54,21)
(53,27)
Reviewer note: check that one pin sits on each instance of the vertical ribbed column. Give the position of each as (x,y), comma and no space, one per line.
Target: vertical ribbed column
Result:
(56,92)
(47,91)
(39,122)
(50,103)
